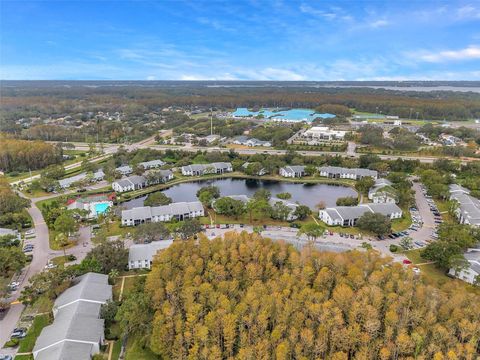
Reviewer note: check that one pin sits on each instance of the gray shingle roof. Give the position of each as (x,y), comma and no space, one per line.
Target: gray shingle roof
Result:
(69,181)
(77,312)
(91,287)
(146,212)
(151,163)
(66,351)
(344,171)
(147,251)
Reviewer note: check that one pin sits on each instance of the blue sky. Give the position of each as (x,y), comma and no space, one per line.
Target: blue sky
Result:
(240,40)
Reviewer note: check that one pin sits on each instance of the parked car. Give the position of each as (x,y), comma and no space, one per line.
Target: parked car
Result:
(407,262)
(18,333)
(6,357)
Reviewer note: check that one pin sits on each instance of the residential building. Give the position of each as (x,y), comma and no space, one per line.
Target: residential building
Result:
(179,211)
(77,331)
(98,175)
(348,215)
(471,273)
(290,205)
(124,170)
(323,133)
(382,192)
(292,171)
(468,210)
(66,183)
(240,140)
(336,172)
(202,169)
(140,256)
(5,232)
(158,176)
(152,164)
(130,183)
(260,172)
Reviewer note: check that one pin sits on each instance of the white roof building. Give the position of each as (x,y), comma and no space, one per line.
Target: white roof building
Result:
(468,211)
(202,169)
(324,133)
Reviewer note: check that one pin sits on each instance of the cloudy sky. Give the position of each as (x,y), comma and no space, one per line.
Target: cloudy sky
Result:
(240,40)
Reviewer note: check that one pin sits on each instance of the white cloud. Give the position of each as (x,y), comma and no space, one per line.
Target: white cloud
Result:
(379,23)
(468,12)
(469,53)
(333,13)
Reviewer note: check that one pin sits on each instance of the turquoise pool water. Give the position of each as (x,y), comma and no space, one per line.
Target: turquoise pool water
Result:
(100,208)
(289,115)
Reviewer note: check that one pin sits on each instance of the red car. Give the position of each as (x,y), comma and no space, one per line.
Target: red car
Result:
(406,262)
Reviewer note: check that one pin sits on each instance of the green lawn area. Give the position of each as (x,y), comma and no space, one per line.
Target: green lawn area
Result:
(402,223)
(433,274)
(135,351)
(27,344)
(24,357)
(127,287)
(42,305)
(117,347)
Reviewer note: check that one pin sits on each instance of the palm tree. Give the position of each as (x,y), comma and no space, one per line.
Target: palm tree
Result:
(112,275)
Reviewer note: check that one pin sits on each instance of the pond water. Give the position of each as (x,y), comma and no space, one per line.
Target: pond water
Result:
(305,194)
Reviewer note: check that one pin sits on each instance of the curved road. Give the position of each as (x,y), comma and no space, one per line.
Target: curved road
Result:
(41,255)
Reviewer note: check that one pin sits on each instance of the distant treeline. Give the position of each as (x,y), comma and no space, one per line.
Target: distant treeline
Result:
(28,101)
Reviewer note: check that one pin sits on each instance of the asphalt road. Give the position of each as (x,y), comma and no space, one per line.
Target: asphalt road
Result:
(41,255)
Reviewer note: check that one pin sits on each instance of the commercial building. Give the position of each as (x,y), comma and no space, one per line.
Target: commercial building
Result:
(202,169)
(292,171)
(77,332)
(178,211)
(140,256)
(348,215)
(335,172)
(323,133)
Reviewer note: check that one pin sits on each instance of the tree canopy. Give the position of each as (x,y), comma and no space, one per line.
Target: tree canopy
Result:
(245,297)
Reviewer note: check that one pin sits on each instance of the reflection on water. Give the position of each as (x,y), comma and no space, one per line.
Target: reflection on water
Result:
(306,194)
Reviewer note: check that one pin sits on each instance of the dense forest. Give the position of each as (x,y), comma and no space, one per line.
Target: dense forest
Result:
(22,155)
(12,207)
(37,99)
(245,297)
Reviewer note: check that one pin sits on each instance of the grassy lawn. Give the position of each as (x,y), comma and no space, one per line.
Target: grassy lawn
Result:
(24,357)
(135,351)
(127,287)
(27,344)
(403,223)
(117,347)
(42,305)
(60,260)
(433,274)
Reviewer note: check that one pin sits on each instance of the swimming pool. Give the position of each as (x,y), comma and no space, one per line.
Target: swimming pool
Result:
(101,208)
(286,115)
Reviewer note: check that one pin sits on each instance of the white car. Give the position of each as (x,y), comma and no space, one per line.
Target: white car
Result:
(416,270)
(50,266)
(30,232)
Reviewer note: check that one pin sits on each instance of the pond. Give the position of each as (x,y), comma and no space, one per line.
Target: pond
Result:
(305,194)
